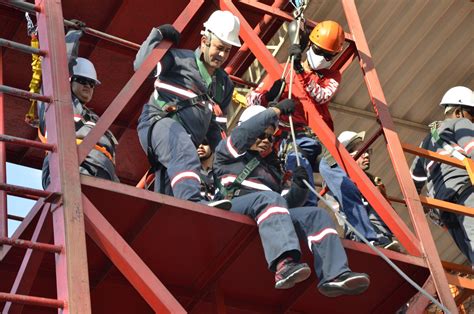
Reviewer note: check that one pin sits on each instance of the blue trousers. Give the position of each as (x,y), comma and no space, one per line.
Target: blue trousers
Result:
(174,150)
(461,227)
(280,226)
(341,186)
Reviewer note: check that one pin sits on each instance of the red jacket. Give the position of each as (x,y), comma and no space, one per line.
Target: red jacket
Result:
(320,88)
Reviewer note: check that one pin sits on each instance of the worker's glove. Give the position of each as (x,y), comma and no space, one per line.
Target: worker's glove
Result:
(300,174)
(274,92)
(78,24)
(295,51)
(286,106)
(169,33)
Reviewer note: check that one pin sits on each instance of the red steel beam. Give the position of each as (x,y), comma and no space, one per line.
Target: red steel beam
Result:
(72,277)
(128,262)
(3,160)
(285,16)
(24,142)
(263,25)
(398,159)
(31,262)
(29,300)
(132,86)
(206,280)
(18,233)
(371,193)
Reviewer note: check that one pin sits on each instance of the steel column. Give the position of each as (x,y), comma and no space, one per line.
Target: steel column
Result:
(132,86)
(72,278)
(398,159)
(31,262)
(3,160)
(327,137)
(128,262)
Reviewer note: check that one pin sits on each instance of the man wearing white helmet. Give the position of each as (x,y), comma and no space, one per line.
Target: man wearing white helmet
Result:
(353,142)
(100,162)
(454,136)
(251,176)
(191,97)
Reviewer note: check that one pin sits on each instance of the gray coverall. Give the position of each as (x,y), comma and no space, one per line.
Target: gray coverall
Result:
(280,219)
(449,183)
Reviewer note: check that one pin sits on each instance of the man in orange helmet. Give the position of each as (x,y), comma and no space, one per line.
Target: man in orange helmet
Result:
(320,83)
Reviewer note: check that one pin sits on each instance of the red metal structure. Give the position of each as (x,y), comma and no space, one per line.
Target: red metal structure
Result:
(97,246)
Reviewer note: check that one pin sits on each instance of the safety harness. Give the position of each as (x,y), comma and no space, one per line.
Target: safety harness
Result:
(228,192)
(213,95)
(31,116)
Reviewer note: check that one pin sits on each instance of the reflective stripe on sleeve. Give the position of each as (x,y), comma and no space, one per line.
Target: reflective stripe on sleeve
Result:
(232,149)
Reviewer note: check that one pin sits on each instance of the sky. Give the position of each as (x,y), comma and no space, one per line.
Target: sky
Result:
(22,176)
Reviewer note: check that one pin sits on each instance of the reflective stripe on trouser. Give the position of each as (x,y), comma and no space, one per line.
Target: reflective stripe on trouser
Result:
(174,149)
(349,197)
(275,227)
(463,229)
(314,225)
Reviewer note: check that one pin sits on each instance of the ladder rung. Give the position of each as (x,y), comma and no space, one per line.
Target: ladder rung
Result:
(435,203)
(461,282)
(23,93)
(29,300)
(25,244)
(412,149)
(20,47)
(24,142)
(15,217)
(21,190)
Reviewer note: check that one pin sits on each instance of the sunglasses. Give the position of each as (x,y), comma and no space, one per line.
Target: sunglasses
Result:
(328,56)
(264,136)
(84,81)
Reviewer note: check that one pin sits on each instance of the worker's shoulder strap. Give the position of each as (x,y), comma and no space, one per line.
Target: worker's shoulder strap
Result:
(228,192)
(445,145)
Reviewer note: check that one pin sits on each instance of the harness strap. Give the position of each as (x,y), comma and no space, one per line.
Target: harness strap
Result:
(101,149)
(229,191)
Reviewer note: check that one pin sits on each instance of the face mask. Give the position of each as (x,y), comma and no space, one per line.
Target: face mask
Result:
(316,62)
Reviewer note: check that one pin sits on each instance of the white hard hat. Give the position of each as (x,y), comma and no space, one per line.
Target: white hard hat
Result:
(225,26)
(459,95)
(347,137)
(250,112)
(85,68)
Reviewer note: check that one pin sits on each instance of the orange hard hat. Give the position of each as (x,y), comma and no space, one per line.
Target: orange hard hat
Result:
(328,35)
